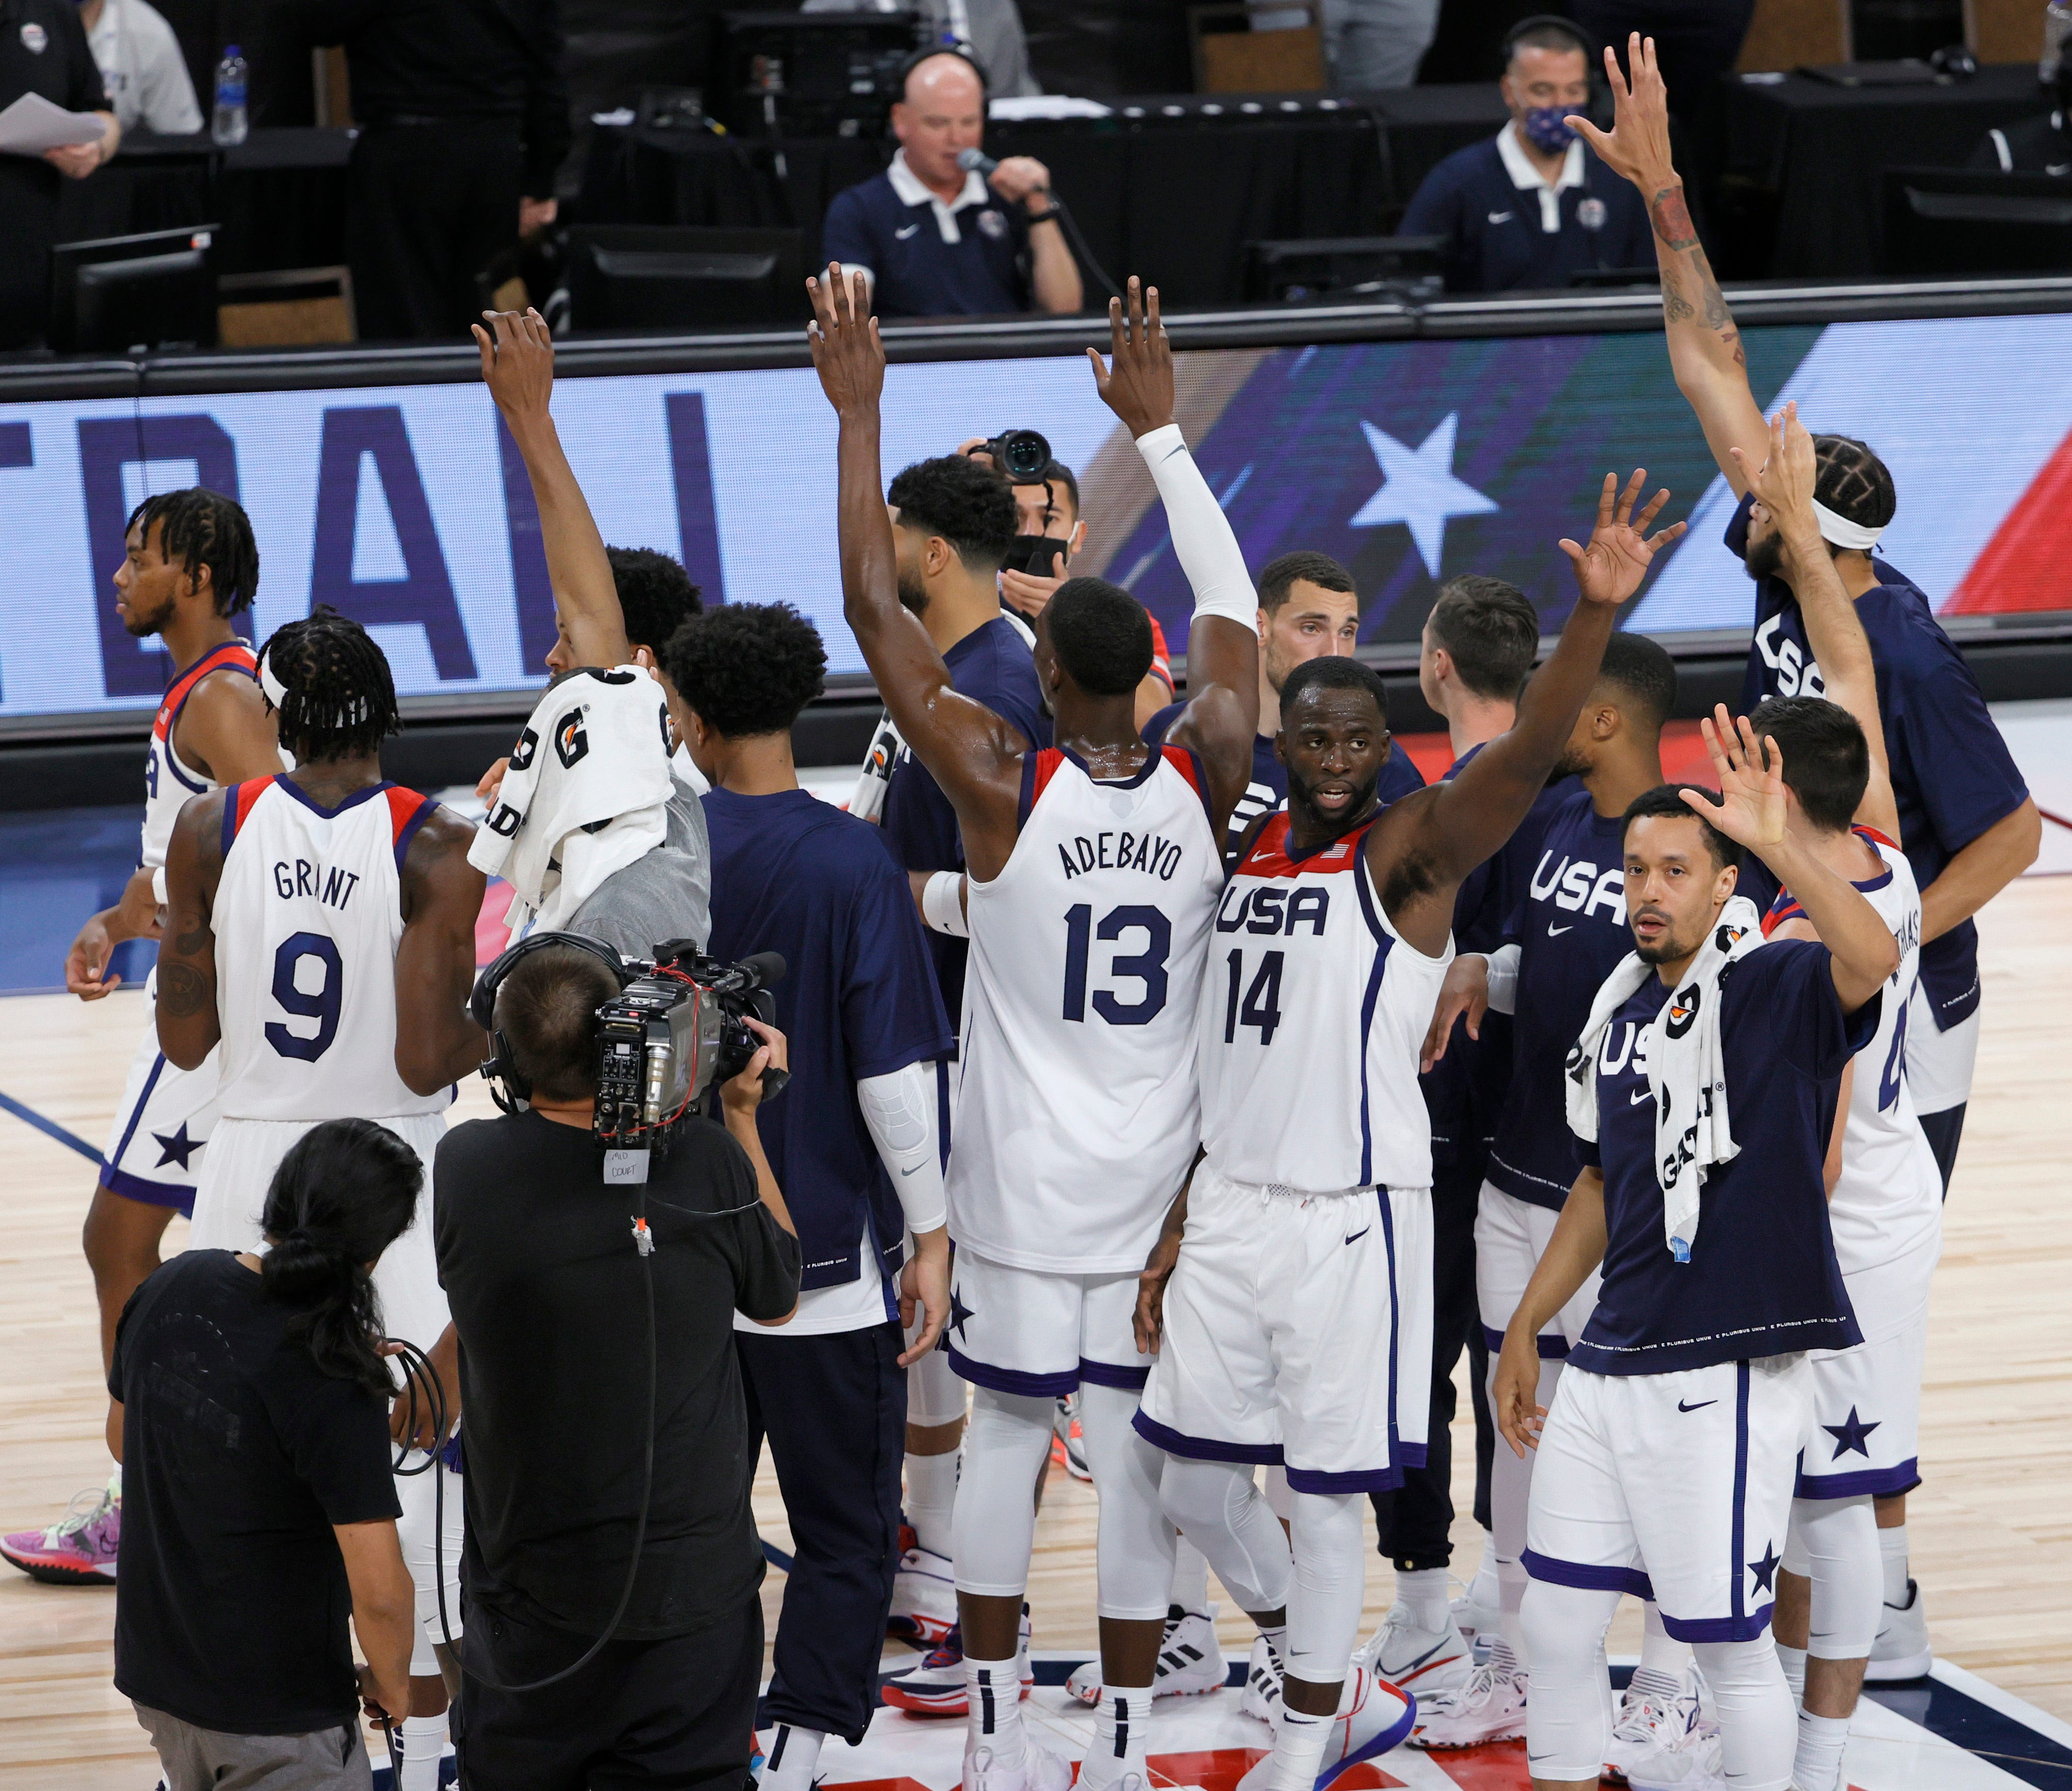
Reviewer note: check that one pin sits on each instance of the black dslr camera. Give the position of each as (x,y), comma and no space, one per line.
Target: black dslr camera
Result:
(1021,454)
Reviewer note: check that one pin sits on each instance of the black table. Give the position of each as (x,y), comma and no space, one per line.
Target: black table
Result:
(1172,198)
(1821,149)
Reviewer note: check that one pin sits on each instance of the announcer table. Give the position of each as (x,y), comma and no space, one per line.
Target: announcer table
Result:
(1172,188)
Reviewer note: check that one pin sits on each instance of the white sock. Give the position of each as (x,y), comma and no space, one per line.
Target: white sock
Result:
(1423,1595)
(423,1741)
(1793,1660)
(795,1756)
(1662,1655)
(1512,1580)
(931,1499)
(1298,1750)
(1892,1549)
(1121,1735)
(1481,1589)
(1818,1765)
(994,1719)
(1276,1639)
(1190,1577)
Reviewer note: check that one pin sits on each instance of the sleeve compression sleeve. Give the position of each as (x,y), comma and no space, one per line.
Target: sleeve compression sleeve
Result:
(899,1108)
(1504,979)
(1202,538)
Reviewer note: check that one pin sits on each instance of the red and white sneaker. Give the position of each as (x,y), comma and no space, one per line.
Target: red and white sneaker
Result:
(924,1597)
(936,1686)
(1489,1706)
(79,1548)
(1068,1442)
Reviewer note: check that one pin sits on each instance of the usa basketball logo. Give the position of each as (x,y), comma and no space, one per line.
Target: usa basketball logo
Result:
(993,224)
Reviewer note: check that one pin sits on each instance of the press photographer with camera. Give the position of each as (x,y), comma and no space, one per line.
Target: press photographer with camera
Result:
(592,1293)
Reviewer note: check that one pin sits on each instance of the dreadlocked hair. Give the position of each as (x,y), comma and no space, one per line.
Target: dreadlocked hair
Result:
(340,701)
(202,528)
(1852,482)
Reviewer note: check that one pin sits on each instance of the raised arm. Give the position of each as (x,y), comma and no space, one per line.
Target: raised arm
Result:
(974,754)
(1222,716)
(188,1025)
(1440,834)
(1783,485)
(436,1042)
(1862,951)
(1705,347)
(518,367)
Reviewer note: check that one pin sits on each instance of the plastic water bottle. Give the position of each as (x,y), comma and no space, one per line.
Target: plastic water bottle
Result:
(229,126)
(2057,28)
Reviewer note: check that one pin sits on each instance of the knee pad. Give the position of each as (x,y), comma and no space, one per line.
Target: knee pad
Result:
(1758,1723)
(1568,1717)
(994,1530)
(1328,1533)
(1834,1542)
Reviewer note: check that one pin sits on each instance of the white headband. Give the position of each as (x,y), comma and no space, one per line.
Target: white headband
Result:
(1839,531)
(276,692)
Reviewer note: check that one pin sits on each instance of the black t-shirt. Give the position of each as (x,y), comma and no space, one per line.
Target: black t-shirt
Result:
(537,1257)
(43,50)
(239,1454)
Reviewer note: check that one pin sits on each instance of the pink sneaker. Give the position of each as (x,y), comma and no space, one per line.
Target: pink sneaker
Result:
(78,1549)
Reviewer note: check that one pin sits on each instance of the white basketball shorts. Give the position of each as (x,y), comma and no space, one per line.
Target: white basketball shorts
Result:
(1675,1488)
(238,1169)
(1298,1333)
(423,1503)
(1511,1237)
(154,1149)
(1031,1332)
(1867,1401)
(1938,1064)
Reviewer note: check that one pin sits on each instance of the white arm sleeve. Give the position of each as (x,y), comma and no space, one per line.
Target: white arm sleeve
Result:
(943,905)
(1504,979)
(1202,538)
(900,1110)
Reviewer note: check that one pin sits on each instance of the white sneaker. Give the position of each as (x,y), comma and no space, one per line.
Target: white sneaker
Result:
(936,1686)
(1191,1661)
(1263,1675)
(1039,1770)
(1657,1742)
(1901,1649)
(1068,1445)
(1373,1717)
(924,1597)
(1477,1619)
(1489,1706)
(1419,1660)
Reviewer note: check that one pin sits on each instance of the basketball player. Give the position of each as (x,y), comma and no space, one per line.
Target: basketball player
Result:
(189,568)
(1307,608)
(1563,939)
(320,924)
(1704,1089)
(1967,820)
(1297,1324)
(1093,874)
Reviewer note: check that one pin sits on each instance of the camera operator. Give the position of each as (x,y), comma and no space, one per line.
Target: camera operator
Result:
(547,1283)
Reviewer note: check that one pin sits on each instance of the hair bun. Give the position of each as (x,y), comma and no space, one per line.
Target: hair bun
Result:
(300,1269)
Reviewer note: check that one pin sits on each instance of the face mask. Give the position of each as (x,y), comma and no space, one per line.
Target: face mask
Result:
(1546,128)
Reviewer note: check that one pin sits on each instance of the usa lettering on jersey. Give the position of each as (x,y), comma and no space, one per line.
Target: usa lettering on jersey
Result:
(1794,672)
(1578,885)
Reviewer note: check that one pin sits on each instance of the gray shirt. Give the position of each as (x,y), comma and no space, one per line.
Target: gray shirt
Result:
(666,894)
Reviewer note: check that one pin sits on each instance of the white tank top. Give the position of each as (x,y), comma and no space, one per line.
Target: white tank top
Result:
(1077,1116)
(168,784)
(1888,1200)
(1313,1015)
(308,915)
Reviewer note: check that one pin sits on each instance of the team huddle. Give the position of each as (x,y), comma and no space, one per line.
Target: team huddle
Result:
(1266,1104)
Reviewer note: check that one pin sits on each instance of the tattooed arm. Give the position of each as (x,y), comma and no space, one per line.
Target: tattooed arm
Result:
(1705,346)
(188,1026)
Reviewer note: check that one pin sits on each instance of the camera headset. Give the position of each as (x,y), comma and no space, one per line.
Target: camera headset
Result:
(1591,212)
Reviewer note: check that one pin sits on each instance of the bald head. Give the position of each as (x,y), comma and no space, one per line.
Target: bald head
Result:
(942,114)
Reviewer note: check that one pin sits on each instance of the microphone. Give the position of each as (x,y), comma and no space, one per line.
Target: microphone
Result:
(976,159)
(760,971)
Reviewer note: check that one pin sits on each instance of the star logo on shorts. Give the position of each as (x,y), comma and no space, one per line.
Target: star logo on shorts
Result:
(177,1148)
(1851,1435)
(1766,1570)
(959,1312)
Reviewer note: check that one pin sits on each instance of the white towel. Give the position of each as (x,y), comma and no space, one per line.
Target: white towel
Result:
(584,795)
(1686,1068)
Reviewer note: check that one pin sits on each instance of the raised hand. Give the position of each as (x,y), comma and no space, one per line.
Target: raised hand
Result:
(517,362)
(1751,811)
(1609,568)
(1137,383)
(1783,483)
(847,353)
(1637,145)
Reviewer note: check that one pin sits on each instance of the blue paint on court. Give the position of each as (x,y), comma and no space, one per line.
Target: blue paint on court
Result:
(57,866)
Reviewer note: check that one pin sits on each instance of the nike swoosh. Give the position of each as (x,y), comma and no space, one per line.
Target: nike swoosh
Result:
(1556,932)
(904,1173)
(1403,1667)
(1356,1236)
(903,235)
(1638,1095)
(1699,1407)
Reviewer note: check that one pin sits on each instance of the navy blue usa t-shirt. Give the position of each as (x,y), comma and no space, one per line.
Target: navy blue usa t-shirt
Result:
(1762,1279)
(1571,931)
(791,873)
(1952,775)
(992,665)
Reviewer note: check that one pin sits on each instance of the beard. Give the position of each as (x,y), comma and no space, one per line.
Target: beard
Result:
(141,626)
(1570,765)
(913,596)
(1361,804)
(1765,558)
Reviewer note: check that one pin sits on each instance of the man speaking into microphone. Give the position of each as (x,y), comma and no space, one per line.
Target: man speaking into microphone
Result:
(946,231)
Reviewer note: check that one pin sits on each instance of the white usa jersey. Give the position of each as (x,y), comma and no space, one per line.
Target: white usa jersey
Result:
(308,915)
(1313,1015)
(1077,1114)
(1888,1200)
(168,784)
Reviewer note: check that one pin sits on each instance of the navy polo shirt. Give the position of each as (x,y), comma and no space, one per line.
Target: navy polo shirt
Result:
(1952,775)
(926,259)
(793,874)
(1495,239)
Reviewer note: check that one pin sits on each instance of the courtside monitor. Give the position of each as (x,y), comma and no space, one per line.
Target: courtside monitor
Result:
(157,290)
(1963,221)
(1403,270)
(677,276)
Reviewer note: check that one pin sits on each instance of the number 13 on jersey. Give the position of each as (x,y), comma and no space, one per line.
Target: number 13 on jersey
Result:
(1146,967)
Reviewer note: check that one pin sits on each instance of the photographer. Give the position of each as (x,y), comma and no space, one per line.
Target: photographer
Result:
(854,1142)
(568,1427)
(251,1416)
